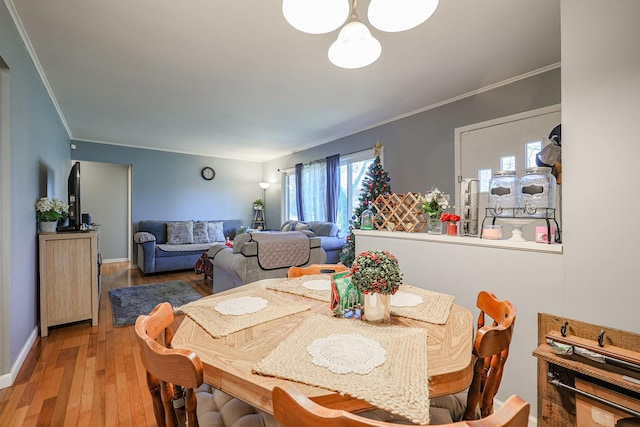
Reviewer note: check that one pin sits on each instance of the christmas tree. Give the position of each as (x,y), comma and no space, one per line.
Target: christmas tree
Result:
(374,184)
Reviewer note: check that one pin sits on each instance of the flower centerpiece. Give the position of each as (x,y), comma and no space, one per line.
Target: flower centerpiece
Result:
(433,204)
(49,211)
(451,220)
(377,275)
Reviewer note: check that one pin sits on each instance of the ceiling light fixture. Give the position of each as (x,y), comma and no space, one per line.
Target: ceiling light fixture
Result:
(355,46)
(400,15)
(315,16)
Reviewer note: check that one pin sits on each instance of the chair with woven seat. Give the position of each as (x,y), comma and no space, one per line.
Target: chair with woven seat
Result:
(316,269)
(490,350)
(293,409)
(171,369)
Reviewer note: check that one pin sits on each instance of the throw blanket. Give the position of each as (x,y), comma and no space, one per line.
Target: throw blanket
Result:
(278,250)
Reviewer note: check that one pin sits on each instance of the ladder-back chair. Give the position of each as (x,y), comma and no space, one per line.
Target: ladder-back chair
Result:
(167,367)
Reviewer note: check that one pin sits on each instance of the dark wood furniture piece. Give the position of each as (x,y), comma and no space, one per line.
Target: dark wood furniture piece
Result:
(574,390)
(292,409)
(167,367)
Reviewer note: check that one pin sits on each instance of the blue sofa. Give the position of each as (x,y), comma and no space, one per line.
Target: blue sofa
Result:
(158,253)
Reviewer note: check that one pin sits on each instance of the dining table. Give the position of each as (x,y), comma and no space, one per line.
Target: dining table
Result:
(229,361)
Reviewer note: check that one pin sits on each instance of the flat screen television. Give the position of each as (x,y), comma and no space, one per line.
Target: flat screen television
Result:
(75,212)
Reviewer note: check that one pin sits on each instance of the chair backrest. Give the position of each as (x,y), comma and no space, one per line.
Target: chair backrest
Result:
(491,349)
(316,269)
(293,409)
(167,368)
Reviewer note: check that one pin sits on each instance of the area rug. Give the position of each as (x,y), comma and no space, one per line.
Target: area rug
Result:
(128,303)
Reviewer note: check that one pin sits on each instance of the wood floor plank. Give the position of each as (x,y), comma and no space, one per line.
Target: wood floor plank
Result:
(83,375)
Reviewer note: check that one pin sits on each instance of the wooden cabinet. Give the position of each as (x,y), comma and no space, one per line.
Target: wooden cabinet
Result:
(69,289)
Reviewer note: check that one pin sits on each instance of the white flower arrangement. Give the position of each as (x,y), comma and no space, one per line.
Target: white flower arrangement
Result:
(434,202)
(51,209)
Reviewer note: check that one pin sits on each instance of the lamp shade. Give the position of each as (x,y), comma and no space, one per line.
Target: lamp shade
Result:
(400,15)
(265,185)
(355,47)
(315,16)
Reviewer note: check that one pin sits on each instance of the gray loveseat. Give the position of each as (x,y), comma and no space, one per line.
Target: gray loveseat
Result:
(262,255)
(177,245)
(327,232)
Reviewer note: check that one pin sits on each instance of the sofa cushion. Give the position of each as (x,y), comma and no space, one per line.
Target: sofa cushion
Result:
(289,226)
(216,233)
(324,228)
(179,232)
(200,232)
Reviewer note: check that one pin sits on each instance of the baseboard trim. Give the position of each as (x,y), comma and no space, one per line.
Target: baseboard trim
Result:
(108,261)
(7,380)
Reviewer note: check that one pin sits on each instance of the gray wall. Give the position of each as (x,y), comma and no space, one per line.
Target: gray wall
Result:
(600,110)
(419,149)
(39,167)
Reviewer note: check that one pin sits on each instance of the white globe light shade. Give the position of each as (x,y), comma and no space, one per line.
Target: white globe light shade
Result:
(316,16)
(355,47)
(400,15)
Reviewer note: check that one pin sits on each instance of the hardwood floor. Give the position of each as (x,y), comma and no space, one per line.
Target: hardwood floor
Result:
(88,376)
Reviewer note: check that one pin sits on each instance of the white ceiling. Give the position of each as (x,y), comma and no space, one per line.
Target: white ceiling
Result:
(232,79)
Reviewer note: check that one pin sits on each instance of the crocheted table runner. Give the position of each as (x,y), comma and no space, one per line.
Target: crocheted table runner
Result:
(218,325)
(296,286)
(435,307)
(399,385)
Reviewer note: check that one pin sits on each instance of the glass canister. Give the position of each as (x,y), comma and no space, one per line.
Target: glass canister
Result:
(366,219)
(504,193)
(538,194)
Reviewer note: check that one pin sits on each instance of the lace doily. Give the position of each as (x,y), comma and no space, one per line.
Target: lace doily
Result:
(405,299)
(347,353)
(318,285)
(241,305)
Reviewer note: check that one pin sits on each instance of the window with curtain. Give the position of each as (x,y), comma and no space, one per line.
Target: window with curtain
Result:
(352,170)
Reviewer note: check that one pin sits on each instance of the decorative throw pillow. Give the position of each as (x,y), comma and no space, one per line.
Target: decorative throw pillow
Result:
(201,232)
(216,233)
(179,232)
(302,226)
(289,226)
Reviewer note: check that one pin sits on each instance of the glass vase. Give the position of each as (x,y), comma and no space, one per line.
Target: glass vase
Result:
(377,308)
(434,226)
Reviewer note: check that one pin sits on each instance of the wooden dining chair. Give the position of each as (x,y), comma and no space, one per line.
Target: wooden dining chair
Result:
(490,351)
(171,369)
(166,367)
(316,269)
(293,409)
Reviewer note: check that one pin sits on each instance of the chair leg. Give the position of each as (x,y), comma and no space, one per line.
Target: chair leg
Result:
(166,392)
(190,403)
(154,389)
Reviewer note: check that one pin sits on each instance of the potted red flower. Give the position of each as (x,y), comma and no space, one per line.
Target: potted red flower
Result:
(452,223)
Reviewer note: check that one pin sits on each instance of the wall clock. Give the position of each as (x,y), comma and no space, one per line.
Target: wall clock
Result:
(208,173)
